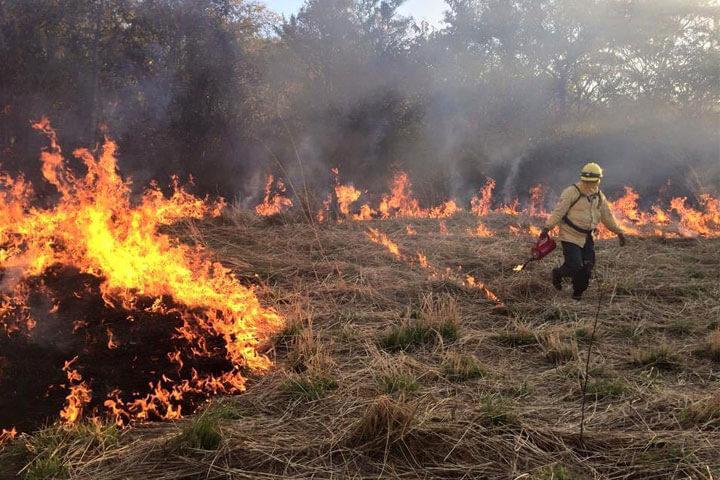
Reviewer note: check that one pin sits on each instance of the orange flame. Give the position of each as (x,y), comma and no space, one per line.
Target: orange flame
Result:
(97,229)
(7,435)
(382,239)
(274,202)
(480,206)
(79,396)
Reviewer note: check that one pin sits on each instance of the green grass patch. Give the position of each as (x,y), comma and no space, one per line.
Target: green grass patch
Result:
(497,412)
(49,448)
(416,334)
(554,472)
(200,433)
(309,387)
(225,410)
(606,388)
(45,468)
(397,382)
(680,327)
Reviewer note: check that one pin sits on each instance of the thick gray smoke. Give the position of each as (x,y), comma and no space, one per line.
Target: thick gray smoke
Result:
(524,91)
(224,91)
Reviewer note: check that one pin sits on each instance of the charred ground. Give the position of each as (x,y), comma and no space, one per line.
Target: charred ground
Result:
(385,372)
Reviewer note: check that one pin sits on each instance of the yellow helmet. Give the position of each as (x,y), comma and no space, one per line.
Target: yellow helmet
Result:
(592,172)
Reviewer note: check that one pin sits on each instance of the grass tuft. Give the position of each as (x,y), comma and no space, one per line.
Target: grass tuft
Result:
(606,388)
(385,422)
(50,446)
(554,472)
(558,351)
(461,367)
(497,411)
(711,347)
(394,382)
(517,336)
(662,357)
(200,433)
(309,386)
(703,414)
(46,468)
(437,320)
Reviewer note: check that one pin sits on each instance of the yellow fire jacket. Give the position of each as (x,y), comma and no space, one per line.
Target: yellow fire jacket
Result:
(587,213)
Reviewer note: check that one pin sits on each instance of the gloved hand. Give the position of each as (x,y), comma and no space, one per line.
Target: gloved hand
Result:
(622,239)
(544,232)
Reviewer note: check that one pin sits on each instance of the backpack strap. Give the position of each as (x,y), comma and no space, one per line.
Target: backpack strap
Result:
(568,221)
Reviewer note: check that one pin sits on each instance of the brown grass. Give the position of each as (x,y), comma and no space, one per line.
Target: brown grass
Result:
(372,412)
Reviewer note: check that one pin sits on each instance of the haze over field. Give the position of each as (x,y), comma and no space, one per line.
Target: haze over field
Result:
(227,92)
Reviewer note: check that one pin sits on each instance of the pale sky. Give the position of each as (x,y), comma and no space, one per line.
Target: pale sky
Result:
(429,10)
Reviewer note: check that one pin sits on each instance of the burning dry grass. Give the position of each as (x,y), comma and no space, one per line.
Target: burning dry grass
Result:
(386,371)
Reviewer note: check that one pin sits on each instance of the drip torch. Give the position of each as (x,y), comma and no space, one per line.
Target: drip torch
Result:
(542,248)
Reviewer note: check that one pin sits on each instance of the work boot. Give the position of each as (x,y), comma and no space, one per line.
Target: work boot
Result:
(557,279)
(577,296)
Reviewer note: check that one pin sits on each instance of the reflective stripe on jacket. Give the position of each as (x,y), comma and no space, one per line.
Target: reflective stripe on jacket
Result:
(592,209)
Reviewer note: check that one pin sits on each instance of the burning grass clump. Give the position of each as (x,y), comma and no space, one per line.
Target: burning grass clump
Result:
(462,367)
(662,357)
(200,433)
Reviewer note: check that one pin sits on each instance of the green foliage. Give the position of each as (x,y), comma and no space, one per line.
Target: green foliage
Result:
(46,468)
(497,411)
(49,447)
(225,410)
(436,320)
(554,472)
(397,382)
(309,386)
(606,388)
(680,327)
(202,432)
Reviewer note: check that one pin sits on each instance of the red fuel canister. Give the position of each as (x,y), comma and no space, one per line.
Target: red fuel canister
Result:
(544,246)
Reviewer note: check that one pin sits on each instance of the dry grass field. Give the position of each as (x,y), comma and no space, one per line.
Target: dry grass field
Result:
(386,371)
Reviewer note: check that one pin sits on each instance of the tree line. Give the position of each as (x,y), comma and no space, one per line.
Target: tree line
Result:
(226,91)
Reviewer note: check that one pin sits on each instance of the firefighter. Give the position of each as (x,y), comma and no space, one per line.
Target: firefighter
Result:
(581,208)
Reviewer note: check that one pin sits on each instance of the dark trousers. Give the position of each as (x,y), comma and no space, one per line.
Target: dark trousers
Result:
(579,263)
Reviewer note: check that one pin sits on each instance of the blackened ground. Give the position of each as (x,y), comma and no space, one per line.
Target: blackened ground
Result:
(32,382)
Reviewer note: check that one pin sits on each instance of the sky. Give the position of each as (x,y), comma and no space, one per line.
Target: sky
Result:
(429,10)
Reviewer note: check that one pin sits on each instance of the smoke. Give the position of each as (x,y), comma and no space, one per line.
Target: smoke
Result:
(523,91)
